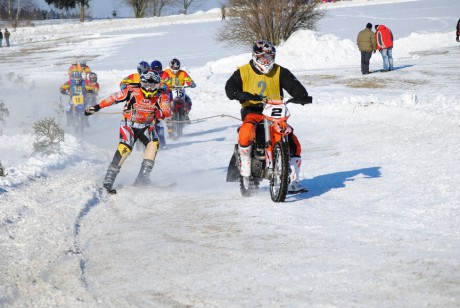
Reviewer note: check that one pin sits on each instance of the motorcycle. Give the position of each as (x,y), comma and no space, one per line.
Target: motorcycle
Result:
(178,119)
(270,154)
(75,111)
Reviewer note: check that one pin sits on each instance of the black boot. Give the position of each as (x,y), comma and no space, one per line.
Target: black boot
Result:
(112,173)
(143,178)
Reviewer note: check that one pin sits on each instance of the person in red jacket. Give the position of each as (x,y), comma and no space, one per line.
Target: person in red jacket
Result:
(143,106)
(384,40)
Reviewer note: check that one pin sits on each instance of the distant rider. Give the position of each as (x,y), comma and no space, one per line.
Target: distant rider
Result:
(158,67)
(135,78)
(73,68)
(143,106)
(84,69)
(76,86)
(92,82)
(177,78)
(261,77)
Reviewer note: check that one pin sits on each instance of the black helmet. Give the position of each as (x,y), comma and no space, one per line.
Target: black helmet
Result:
(174,65)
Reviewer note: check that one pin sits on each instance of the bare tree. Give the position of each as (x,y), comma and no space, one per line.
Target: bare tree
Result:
(139,7)
(273,20)
(156,6)
(16,10)
(185,4)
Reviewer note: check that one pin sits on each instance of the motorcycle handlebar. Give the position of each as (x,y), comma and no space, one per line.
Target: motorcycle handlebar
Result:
(302,101)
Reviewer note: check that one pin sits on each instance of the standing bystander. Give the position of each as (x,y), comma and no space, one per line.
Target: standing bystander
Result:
(366,44)
(222,9)
(384,39)
(1,37)
(7,37)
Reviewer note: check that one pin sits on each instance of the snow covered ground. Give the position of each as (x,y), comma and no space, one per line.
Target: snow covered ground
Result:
(379,227)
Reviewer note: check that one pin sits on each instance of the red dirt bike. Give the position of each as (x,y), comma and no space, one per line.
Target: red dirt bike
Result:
(270,154)
(178,119)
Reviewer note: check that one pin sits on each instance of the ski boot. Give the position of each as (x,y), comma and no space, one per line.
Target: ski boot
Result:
(112,173)
(294,186)
(143,178)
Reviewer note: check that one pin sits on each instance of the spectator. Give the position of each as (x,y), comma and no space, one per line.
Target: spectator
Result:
(384,40)
(7,37)
(222,9)
(1,37)
(457,32)
(366,44)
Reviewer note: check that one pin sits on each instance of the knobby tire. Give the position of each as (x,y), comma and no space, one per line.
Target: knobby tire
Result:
(280,179)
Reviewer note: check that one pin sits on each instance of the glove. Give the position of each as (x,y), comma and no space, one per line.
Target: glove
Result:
(192,85)
(302,100)
(245,96)
(158,114)
(90,110)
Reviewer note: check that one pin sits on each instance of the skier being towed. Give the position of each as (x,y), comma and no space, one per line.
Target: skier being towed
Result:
(143,106)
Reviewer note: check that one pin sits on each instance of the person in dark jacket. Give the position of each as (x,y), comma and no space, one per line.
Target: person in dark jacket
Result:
(1,38)
(458,30)
(384,40)
(259,78)
(7,37)
(366,44)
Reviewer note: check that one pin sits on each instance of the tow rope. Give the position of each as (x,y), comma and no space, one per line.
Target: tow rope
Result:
(188,121)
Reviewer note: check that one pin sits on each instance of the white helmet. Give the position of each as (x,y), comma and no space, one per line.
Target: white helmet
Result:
(263,55)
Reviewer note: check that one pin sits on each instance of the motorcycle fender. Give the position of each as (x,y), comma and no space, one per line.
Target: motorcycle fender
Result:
(233,172)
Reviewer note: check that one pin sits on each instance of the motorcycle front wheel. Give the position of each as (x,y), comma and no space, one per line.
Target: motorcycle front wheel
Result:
(180,124)
(79,123)
(279,180)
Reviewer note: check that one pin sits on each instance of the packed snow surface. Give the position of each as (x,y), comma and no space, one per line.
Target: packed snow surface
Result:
(379,226)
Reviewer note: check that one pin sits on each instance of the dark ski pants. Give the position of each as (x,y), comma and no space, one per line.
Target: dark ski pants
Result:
(365,58)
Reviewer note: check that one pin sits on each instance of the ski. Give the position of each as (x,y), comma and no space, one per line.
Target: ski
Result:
(153,186)
(292,192)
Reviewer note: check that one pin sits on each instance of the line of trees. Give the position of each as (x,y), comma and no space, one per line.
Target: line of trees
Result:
(24,11)
(141,8)
(14,11)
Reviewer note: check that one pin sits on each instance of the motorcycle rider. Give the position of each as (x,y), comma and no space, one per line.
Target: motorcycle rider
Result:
(158,67)
(249,84)
(134,79)
(92,81)
(84,69)
(75,86)
(143,105)
(177,77)
(73,68)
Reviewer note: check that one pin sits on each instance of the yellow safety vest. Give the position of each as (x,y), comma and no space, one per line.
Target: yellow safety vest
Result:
(265,85)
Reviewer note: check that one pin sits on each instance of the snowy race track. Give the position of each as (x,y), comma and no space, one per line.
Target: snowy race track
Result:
(379,227)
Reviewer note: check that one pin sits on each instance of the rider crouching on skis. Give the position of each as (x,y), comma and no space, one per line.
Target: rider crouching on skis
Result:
(143,106)
(249,84)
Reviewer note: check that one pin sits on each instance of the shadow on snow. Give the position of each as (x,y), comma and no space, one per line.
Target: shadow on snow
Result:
(322,184)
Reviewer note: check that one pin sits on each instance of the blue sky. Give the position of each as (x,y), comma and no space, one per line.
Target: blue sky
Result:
(104,8)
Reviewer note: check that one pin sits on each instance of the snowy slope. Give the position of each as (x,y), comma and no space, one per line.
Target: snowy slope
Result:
(378,228)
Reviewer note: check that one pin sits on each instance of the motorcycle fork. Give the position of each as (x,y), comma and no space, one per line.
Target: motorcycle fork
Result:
(271,137)
(268,148)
